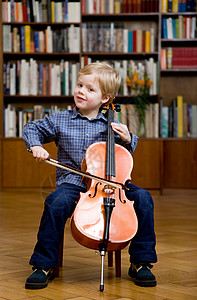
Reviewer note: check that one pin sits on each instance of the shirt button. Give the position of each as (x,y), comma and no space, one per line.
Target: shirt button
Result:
(87,134)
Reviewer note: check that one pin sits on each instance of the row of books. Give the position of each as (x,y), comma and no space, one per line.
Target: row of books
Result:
(31,77)
(179,58)
(25,39)
(15,118)
(179,119)
(40,78)
(41,11)
(178,6)
(114,37)
(119,6)
(179,27)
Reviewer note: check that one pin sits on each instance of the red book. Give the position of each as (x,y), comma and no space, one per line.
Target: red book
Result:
(143,6)
(134,40)
(24,7)
(130,6)
(134,6)
(83,8)
(143,40)
(138,6)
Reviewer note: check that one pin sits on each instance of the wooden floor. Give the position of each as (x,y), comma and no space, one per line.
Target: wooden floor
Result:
(176,270)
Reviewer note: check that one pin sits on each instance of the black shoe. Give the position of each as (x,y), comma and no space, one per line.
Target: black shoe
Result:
(39,278)
(142,275)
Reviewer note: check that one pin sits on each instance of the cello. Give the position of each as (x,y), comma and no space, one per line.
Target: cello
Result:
(104,219)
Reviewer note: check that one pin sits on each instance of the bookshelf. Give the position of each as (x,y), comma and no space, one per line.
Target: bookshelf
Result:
(55,51)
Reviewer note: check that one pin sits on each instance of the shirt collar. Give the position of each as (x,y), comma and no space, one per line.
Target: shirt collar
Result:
(76,114)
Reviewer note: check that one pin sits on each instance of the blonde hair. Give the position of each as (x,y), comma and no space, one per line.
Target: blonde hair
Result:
(109,79)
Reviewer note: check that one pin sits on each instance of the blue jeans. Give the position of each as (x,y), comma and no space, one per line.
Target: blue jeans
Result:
(60,204)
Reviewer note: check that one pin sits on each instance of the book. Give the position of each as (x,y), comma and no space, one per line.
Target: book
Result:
(180,115)
(164,121)
(163,59)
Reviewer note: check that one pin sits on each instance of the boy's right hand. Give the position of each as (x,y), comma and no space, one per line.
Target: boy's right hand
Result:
(39,153)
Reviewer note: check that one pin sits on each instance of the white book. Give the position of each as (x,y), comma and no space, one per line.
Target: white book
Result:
(12,123)
(8,17)
(37,11)
(35,86)
(59,11)
(149,69)
(111,6)
(76,39)
(6,118)
(90,6)
(84,37)
(156,120)
(13,79)
(20,123)
(74,12)
(67,77)
(125,39)
(89,60)
(154,78)
(7,38)
(33,77)
(193,27)
(152,40)
(98,6)
(58,81)
(112,38)
(125,89)
(71,38)
(74,77)
(169,28)
(82,62)
(188,27)
(22,77)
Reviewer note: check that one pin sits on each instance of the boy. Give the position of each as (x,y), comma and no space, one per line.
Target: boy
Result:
(73,131)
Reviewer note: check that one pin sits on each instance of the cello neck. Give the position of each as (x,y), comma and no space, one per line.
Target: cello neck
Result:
(110,155)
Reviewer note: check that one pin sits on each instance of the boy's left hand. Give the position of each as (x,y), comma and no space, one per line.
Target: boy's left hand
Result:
(122,130)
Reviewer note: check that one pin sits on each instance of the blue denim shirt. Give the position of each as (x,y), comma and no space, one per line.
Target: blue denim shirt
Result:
(73,134)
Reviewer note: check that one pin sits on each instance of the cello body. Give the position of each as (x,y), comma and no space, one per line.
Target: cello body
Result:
(88,220)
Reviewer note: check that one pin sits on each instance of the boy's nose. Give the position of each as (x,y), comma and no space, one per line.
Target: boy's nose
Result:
(81,90)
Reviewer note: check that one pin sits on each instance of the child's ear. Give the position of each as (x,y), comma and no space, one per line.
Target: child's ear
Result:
(106,99)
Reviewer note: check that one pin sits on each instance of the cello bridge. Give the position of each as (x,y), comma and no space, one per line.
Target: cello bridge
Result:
(108,189)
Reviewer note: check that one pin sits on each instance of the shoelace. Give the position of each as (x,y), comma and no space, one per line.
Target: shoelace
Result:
(40,268)
(138,267)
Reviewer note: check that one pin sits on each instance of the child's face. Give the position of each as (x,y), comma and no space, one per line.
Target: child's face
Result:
(88,97)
